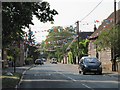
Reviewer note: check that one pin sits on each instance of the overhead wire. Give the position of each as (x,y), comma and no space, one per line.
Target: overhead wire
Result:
(87,16)
(91,10)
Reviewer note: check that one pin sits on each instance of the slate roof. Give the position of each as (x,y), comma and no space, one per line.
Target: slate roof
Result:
(85,35)
(107,26)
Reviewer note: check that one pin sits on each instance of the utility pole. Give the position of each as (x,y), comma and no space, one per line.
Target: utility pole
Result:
(115,12)
(113,47)
(14,52)
(78,39)
(14,62)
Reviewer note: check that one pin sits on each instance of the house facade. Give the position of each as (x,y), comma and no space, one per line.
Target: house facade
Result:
(105,55)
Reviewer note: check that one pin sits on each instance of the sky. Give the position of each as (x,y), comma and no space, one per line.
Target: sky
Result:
(71,11)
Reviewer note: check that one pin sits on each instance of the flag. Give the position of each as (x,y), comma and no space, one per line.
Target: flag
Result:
(97,21)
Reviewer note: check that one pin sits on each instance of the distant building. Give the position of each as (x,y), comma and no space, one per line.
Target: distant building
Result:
(85,35)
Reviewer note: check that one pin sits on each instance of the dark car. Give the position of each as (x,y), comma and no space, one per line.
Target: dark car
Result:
(44,59)
(39,61)
(54,61)
(90,64)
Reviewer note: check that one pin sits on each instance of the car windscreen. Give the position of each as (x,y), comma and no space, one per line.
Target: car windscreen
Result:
(90,60)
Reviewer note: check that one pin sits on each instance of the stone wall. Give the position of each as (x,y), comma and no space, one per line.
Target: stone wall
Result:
(104,56)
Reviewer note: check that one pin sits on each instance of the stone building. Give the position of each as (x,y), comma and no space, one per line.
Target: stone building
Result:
(104,55)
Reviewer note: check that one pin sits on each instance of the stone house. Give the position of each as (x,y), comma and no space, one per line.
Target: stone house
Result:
(104,55)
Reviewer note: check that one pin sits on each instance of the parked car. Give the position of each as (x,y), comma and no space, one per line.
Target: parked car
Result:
(44,59)
(90,64)
(54,61)
(82,58)
(39,61)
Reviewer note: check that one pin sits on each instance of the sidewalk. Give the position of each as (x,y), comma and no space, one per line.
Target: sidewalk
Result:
(105,72)
(18,69)
(112,74)
(21,70)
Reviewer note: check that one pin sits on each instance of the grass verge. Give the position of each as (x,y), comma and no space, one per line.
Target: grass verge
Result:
(10,81)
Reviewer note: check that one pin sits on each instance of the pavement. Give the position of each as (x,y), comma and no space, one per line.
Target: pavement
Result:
(21,70)
(106,72)
(18,69)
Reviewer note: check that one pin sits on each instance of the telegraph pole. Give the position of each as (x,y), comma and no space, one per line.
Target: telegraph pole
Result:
(115,12)
(78,38)
(113,47)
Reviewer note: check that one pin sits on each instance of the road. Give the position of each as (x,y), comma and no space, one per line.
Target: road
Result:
(64,76)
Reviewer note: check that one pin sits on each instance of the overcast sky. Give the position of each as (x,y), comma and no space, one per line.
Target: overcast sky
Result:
(72,10)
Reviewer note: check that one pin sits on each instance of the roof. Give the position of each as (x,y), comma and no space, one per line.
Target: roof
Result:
(106,25)
(85,35)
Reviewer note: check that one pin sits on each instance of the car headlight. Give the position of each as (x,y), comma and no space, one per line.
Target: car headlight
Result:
(85,65)
(100,66)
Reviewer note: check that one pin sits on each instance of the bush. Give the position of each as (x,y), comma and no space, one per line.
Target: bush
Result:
(28,61)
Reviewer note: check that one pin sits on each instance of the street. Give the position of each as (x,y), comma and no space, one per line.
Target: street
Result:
(64,76)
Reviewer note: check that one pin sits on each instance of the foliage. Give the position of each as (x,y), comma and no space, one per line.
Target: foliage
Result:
(83,45)
(13,52)
(58,40)
(28,60)
(83,48)
(10,58)
(18,15)
(70,57)
(74,49)
(108,38)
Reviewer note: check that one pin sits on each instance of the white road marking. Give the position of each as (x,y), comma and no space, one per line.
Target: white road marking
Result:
(66,76)
(76,80)
(91,81)
(42,80)
(87,86)
(22,77)
(98,81)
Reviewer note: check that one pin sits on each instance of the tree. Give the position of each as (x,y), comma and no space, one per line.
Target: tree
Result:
(83,49)
(18,15)
(58,40)
(110,39)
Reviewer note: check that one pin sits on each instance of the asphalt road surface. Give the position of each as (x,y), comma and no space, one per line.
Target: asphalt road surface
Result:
(64,76)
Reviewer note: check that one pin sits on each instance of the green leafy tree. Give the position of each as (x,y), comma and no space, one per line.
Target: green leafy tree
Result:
(58,40)
(18,15)
(109,39)
(83,49)
(70,57)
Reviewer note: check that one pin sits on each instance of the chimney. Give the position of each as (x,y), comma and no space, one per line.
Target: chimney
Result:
(95,28)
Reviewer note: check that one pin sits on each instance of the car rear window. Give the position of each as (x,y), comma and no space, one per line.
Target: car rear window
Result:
(90,60)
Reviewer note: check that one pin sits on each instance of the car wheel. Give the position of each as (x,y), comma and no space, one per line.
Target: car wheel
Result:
(84,72)
(100,73)
(79,72)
